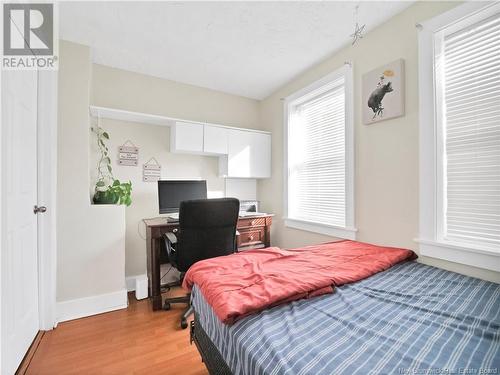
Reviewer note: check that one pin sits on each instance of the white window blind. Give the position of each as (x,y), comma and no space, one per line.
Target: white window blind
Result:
(317,156)
(471,119)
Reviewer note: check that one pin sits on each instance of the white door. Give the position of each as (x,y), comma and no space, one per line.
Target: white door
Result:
(19,265)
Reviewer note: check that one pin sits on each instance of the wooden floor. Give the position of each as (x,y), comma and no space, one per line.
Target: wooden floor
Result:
(131,341)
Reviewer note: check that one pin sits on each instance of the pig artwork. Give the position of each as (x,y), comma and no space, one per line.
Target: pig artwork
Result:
(376,97)
(383,93)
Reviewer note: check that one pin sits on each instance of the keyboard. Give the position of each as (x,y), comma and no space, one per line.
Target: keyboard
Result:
(174,216)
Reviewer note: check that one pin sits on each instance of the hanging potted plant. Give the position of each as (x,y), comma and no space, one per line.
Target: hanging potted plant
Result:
(108,190)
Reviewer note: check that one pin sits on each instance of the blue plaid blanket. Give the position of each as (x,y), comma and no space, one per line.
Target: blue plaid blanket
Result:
(410,319)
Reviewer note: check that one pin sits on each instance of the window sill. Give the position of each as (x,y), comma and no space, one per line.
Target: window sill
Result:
(480,258)
(328,230)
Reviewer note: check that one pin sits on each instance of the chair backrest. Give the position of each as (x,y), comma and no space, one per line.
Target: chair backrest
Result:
(207,229)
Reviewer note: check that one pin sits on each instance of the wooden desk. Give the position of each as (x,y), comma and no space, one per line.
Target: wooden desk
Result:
(255,231)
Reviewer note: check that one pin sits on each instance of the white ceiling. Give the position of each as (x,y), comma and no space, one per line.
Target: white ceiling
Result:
(243,48)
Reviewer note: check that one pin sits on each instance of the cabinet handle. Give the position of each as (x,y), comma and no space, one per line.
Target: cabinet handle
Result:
(252,222)
(250,238)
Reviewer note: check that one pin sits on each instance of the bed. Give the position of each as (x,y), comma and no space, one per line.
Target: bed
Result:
(409,319)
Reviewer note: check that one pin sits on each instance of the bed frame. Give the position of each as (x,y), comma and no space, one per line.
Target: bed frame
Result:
(210,355)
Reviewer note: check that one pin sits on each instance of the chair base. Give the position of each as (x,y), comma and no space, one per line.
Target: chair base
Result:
(186,313)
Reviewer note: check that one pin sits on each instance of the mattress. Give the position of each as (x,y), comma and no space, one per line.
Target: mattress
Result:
(409,319)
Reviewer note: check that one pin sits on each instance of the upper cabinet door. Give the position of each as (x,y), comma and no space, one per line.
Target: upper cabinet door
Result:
(186,137)
(215,139)
(260,163)
(249,154)
(238,149)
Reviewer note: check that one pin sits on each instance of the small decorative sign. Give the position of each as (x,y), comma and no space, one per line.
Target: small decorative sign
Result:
(128,154)
(151,171)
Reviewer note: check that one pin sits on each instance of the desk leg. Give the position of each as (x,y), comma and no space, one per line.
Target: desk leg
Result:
(155,273)
(267,241)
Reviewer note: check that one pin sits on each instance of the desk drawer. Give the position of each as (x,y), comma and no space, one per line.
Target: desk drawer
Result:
(252,222)
(252,237)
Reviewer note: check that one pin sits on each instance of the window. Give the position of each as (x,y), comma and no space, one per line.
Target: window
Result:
(319,175)
(460,136)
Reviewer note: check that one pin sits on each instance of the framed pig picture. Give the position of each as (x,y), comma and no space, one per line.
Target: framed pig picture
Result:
(383,93)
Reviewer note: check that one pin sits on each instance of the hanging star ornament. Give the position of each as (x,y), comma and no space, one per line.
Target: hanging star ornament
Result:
(358,33)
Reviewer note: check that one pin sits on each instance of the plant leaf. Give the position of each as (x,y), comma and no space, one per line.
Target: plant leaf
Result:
(100,183)
(105,135)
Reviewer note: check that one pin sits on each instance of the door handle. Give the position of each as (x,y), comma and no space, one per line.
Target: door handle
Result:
(39,210)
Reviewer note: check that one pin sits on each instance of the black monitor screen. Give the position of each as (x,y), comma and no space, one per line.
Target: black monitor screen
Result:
(172,193)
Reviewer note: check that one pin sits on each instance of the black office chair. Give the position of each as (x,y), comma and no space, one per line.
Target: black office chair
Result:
(207,229)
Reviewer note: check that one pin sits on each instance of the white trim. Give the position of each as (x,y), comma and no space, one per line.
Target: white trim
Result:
(328,230)
(430,144)
(148,118)
(457,14)
(47,183)
(130,282)
(83,307)
(349,231)
(137,281)
(2,236)
(350,148)
(460,254)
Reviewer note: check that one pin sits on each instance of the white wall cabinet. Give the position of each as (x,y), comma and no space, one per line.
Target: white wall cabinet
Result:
(238,149)
(215,139)
(260,155)
(186,137)
(242,153)
(249,154)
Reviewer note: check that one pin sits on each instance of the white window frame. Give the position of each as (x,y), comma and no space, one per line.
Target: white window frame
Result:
(430,240)
(349,231)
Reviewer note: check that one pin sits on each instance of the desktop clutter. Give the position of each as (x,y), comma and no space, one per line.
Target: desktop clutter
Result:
(197,228)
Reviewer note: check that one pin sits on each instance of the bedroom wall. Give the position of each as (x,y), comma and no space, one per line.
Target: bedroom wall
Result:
(130,91)
(386,177)
(153,141)
(90,239)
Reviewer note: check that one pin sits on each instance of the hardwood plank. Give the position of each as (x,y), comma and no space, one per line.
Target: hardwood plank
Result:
(23,367)
(135,340)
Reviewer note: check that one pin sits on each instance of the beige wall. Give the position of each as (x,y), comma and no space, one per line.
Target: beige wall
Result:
(117,88)
(154,141)
(90,239)
(121,89)
(386,178)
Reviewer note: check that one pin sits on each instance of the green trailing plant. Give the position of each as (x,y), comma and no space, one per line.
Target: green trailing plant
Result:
(108,190)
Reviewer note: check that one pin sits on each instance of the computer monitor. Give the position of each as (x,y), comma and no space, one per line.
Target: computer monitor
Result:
(172,193)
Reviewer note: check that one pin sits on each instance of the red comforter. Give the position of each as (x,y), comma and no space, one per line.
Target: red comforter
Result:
(244,283)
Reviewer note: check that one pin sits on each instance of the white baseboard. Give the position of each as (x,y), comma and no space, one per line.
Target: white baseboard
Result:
(130,281)
(82,307)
